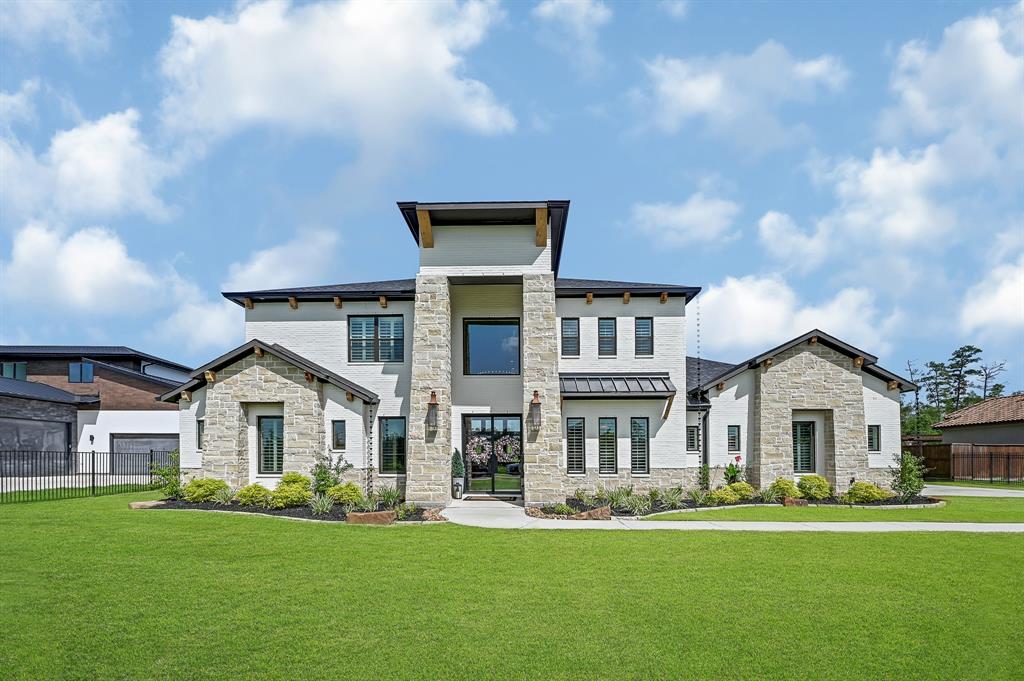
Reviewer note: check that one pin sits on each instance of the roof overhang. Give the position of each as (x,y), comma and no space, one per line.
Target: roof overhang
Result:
(565,290)
(615,386)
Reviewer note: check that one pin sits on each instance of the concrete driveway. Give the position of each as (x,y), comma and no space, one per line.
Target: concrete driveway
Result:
(954,491)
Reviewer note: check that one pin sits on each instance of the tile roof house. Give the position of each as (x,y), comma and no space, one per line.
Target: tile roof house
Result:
(996,421)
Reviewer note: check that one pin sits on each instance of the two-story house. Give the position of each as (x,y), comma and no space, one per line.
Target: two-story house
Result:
(545,384)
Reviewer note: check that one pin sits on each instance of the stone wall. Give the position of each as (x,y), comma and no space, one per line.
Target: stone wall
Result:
(659,478)
(544,476)
(811,377)
(428,452)
(21,408)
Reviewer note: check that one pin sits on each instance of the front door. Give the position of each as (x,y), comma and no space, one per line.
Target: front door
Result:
(803,446)
(494,454)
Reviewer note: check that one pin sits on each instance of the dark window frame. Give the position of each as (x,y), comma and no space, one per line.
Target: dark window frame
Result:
(15,366)
(334,435)
(200,433)
(813,465)
(636,351)
(695,430)
(739,438)
(81,366)
(583,446)
(259,444)
(491,321)
(399,470)
(878,437)
(614,337)
(376,339)
(601,468)
(563,336)
(647,446)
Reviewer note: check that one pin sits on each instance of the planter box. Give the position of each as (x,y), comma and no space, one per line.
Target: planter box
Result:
(374,518)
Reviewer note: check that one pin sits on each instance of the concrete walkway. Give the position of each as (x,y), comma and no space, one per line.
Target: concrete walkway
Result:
(503,515)
(954,491)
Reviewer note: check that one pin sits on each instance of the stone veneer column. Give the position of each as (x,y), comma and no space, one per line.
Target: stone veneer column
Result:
(428,453)
(543,479)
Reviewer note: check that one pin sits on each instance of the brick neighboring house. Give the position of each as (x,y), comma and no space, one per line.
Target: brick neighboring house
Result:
(996,421)
(86,398)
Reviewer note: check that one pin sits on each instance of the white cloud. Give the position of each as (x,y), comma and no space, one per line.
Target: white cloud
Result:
(297,262)
(377,74)
(700,218)
(995,304)
(572,28)
(743,316)
(783,240)
(18,107)
(201,324)
(79,26)
(677,9)
(737,97)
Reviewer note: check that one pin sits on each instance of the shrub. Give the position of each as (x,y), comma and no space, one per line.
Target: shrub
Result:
(638,504)
(289,495)
(733,472)
(786,488)
(458,465)
(705,478)
(224,496)
(367,504)
(743,490)
(254,495)
(202,489)
(327,472)
(601,495)
(722,496)
(321,504)
(654,495)
(907,476)
(814,487)
(865,492)
(346,494)
(562,509)
(389,497)
(672,498)
(699,496)
(618,497)
(404,511)
(167,478)
(297,479)
(768,495)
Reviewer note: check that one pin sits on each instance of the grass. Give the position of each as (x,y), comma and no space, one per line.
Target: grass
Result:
(69,492)
(956,510)
(90,589)
(979,483)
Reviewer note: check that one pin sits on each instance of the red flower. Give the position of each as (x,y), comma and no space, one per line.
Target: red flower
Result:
(738,457)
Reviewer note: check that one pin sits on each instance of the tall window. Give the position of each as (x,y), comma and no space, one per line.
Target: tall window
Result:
(15,370)
(79,372)
(376,338)
(490,347)
(607,445)
(692,439)
(271,445)
(571,337)
(639,446)
(803,446)
(392,445)
(606,337)
(733,436)
(644,336)
(200,433)
(874,438)
(574,449)
(337,435)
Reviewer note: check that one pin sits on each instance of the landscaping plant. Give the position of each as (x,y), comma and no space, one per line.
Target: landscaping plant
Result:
(705,478)
(388,497)
(288,495)
(562,509)
(786,488)
(734,472)
(458,465)
(346,494)
(672,498)
(321,504)
(617,497)
(864,492)
(908,476)
(167,478)
(254,495)
(638,504)
(814,487)
(406,511)
(327,471)
(224,496)
(699,496)
(743,490)
(202,489)
(723,496)
(298,479)
(768,495)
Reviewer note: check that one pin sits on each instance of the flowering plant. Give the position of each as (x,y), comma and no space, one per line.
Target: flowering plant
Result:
(734,472)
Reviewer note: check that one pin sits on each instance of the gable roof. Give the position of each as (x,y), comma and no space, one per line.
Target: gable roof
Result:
(33,390)
(327,376)
(615,385)
(99,351)
(124,371)
(699,369)
(869,367)
(993,410)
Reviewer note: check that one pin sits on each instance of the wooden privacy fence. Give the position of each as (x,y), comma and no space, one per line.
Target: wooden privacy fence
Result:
(936,457)
(992,463)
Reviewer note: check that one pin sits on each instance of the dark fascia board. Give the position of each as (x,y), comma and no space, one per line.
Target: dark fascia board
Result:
(689,292)
(11,353)
(327,376)
(282,295)
(165,382)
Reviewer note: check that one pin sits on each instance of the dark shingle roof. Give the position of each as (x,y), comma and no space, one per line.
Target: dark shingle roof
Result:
(32,390)
(995,410)
(97,351)
(159,380)
(703,369)
(615,385)
(604,287)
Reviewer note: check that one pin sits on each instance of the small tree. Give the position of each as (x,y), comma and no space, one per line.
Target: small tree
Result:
(167,477)
(458,465)
(907,476)
(327,471)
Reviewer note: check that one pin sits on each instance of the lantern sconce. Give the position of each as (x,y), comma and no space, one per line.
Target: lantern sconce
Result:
(432,411)
(535,411)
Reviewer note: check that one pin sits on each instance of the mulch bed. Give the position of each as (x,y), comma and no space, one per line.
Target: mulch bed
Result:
(337,513)
(658,507)
(894,501)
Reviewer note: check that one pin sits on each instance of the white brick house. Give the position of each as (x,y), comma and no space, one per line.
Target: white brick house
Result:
(545,384)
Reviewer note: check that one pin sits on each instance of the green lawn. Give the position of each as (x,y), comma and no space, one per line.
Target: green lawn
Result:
(979,483)
(92,590)
(956,510)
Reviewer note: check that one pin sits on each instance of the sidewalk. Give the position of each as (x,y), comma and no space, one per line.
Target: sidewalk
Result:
(954,491)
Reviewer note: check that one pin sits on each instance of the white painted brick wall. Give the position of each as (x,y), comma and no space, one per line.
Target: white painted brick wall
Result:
(188,412)
(485,250)
(882,407)
(731,407)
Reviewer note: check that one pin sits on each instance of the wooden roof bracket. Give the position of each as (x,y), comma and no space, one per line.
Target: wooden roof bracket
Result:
(541,238)
(426,229)
(210,376)
(384,301)
(293,303)
(858,362)
(248,303)
(337,302)
(625,298)
(668,406)
(590,298)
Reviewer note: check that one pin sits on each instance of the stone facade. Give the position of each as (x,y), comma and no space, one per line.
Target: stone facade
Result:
(260,380)
(809,377)
(428,451)
(658,478)
(543,471)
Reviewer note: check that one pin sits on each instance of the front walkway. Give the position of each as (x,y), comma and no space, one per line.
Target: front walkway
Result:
(954,491)
(503,515)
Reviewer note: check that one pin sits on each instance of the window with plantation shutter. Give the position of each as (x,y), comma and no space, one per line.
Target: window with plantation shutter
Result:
(692,439)
(271,445)
(607,445)
(734,438)
(574,450)
(606,337)
(376,338)
(571,337)
(643,337)
(803,446)
(874,438)
(639,445)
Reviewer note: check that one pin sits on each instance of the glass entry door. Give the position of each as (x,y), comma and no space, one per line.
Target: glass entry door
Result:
(494,454)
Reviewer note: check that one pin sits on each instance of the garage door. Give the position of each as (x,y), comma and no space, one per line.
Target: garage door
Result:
(130,453)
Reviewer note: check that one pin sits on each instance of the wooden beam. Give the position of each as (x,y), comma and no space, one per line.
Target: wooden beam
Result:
(768,362)
(668,406)
(309,377)
(542,227)
(337,302)
(426,229)
(248,304)
(349,396)
(590,299)
(625,298)
(211,376)
(186,395)
(258,351)
(893,385)
(720,386)
(858,362)
(664,298)
(814,340)
(293,303)
(383,301)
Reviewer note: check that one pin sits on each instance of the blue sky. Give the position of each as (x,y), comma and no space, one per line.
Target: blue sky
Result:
(851,166)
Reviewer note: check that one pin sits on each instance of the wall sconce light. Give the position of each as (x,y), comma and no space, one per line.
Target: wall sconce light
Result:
(535,411)
(432,411)
(92,439)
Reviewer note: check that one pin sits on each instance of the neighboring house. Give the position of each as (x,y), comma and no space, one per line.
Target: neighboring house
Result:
(996,421)
(86,398)
(546,384)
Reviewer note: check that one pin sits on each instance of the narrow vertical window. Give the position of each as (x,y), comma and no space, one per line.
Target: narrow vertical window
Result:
(734,438)
(570,337)
(803,447)
(271,444)
(639,446)
(606,337)
(79,372)
(392,446)
(608,445)
(874,438)
(337,435)
(575,457)
(692,439)
(644,336)
(200,433)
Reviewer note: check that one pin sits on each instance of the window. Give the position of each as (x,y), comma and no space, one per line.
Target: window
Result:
(606,337)
(734,438)
(490,347)
(643,337)
(607,445)
(271,444)
(392,446)
(200,433)
(574,450)
(79,372)
(571,337)
(337,435)
(803,446)
(874,438)
(378,338)
(639,449)
(15,370)
(692,439)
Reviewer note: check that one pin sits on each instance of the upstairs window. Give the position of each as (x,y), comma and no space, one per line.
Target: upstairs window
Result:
(571,337)
(874,438)
(377,338)
(734,438)
(692,439)
(606,337)
(574,449)
(490,347)
(16,370)
(644,337)
(79,372)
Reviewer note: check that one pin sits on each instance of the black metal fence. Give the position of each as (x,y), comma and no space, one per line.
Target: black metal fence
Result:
(988,463)
(38,476)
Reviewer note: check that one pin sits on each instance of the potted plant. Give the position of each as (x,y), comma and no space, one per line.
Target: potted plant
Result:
(458,474)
